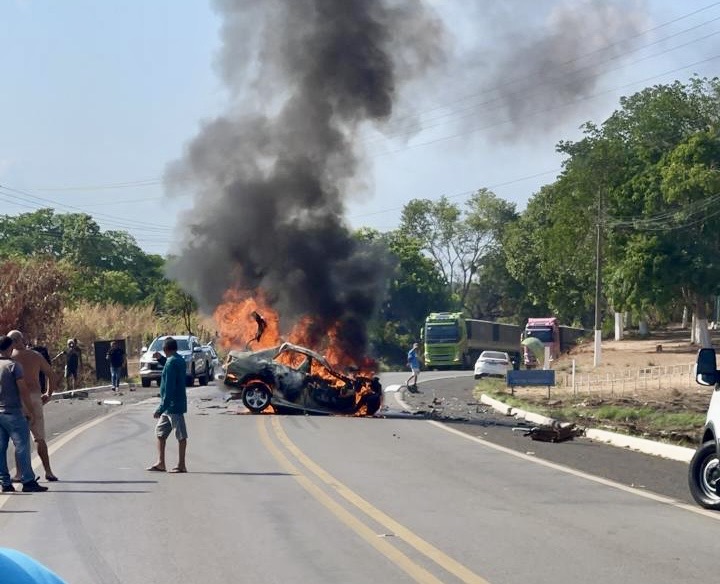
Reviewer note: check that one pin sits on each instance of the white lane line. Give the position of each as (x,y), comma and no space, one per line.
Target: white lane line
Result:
(583,475)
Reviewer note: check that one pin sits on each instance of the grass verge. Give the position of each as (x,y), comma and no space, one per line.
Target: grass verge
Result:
(668,422)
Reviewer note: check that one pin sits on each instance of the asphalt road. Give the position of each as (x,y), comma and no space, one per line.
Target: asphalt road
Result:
(330,499)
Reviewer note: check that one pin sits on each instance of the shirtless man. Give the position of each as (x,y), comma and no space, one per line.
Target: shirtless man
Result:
(33,363)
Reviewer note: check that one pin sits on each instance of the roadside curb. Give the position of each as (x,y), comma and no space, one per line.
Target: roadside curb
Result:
(671,451)
(85,391)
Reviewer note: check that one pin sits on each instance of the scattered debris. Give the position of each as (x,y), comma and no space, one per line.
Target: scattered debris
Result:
(112,402)
(556,432)
(386,535)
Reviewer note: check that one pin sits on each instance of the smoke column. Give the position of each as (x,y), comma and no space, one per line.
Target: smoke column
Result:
(272,173)
(540,73)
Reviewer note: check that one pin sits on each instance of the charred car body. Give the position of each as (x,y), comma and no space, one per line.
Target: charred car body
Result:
(291,378)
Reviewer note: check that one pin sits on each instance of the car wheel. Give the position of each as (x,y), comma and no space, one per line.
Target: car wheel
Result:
(145,381)
(158,382)
(211,375)
(203,379)
(703,476)
(256,397)
(478,376)
(190,380)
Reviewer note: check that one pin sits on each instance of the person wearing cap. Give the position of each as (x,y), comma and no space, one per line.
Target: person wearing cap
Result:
(14,395)
(414,364)
(33,364)
(73,363)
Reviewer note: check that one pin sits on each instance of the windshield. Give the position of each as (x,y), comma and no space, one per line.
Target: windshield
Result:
(157,345)
(441,333)
(494,355)
(545,334)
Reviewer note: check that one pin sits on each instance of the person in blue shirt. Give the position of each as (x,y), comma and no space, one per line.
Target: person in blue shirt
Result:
(170,414)
(414,364)
(19,568)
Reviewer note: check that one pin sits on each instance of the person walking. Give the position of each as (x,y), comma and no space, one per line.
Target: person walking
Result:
(33,365)
(414,363)
(116,357)
(73,363)
(14,394)
(170,414)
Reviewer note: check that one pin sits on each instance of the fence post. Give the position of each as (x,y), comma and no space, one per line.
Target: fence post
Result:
(573,378)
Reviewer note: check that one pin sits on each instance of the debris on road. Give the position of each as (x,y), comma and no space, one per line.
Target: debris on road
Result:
(112,402)
(555,432)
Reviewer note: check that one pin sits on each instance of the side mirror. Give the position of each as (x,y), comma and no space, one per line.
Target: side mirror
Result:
(706,372)
(143,349)
(197,349)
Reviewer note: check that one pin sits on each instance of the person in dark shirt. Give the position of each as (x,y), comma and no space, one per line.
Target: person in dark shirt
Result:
(116,356)
(170,413)
(73,363)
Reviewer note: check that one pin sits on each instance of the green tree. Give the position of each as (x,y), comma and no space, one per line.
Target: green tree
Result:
(457,239)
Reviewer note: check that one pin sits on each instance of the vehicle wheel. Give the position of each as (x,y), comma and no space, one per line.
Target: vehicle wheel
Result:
(145,381)
(256,397)
(703,476)
(478,376)
(211,375)
(203,379)
(372,403)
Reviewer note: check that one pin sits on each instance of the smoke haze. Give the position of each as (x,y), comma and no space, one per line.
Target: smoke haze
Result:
(272,174)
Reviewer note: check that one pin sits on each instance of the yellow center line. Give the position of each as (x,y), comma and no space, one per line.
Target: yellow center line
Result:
(416,572)
(425,548)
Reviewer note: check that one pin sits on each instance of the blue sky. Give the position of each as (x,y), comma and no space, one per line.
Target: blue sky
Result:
(104,94)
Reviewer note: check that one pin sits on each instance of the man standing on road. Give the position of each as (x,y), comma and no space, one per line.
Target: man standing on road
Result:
(116,356)
(73,363)
(14,394)
(33,364)
(170,414)
(414,364)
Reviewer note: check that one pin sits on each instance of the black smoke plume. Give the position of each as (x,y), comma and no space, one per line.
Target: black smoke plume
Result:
(271,175)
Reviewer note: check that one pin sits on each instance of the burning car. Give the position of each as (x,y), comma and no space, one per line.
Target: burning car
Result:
(291,378)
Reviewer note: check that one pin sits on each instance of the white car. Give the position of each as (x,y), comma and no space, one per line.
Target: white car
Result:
(493,363)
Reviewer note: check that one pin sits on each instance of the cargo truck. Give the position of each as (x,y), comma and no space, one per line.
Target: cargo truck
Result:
(452,341)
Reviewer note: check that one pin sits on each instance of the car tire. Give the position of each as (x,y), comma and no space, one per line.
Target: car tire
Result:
(211,375)
(478,376)
(203,379)
(704,476)
(256,397)
(190,379)
(158,382)
(145,381)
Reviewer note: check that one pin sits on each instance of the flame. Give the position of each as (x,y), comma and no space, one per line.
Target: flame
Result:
(237,329)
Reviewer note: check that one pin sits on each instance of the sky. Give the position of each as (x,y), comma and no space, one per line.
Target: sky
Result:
(98,98)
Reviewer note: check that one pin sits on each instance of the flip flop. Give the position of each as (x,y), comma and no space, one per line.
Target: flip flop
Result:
(176,469)
(155,468)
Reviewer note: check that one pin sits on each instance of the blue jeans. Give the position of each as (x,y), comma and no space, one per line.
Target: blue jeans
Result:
(15,427)
(115,375)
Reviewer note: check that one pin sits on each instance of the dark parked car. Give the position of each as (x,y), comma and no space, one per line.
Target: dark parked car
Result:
(291,378)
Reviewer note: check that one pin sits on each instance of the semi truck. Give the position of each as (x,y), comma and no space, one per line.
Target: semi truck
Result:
(558,339)
(452,341)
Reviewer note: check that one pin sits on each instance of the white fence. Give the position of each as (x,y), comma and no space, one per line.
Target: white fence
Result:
(629,383)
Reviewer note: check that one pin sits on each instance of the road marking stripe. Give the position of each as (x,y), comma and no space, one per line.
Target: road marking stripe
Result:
(425,548)
(57,443)
(416,572)
(571,471)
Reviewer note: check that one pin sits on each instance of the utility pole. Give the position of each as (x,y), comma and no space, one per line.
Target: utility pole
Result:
(598,284)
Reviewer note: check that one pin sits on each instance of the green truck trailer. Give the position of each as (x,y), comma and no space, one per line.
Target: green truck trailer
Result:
(452,341)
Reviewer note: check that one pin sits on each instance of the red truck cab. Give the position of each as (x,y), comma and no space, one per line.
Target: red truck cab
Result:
(547,331)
